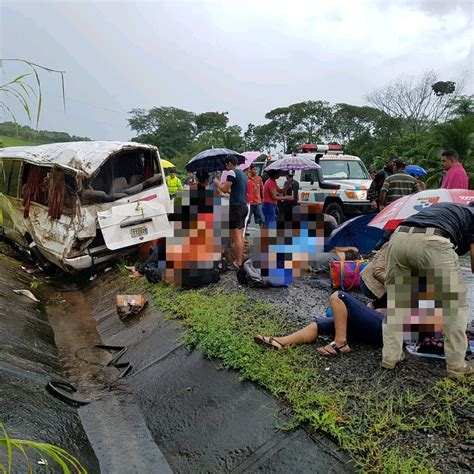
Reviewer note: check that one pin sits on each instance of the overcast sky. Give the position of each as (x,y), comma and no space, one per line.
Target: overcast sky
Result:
(243,57)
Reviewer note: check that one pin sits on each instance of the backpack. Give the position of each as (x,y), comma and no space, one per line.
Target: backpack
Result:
(248,275)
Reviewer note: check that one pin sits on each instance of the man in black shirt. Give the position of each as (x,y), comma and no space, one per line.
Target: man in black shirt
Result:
(376,185)
(424,252)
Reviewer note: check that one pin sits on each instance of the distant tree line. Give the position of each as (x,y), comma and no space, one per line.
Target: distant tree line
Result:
(11,129)
(413,117)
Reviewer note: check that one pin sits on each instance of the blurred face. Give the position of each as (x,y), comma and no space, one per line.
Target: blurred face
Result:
(253,172)
(172,174)
(446,162)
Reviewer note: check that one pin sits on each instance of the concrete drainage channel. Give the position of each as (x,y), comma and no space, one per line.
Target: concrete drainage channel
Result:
(173,412)
(202,419)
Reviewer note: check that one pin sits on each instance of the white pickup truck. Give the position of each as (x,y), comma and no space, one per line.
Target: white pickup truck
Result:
(339,187)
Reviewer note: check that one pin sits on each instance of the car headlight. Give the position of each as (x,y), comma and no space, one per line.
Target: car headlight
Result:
(360,195)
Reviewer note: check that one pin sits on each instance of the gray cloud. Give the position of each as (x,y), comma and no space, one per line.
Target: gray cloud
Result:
(242,57)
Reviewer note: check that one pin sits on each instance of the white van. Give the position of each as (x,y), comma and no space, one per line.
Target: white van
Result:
(78,204)
(338,188)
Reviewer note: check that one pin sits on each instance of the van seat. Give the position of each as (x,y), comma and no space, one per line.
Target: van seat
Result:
(135,179)
(118,185)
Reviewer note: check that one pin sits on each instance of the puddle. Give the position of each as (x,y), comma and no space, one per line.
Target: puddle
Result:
(75,335)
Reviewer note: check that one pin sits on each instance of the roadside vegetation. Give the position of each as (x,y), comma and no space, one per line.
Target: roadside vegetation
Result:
(50,456)
(412,117)
(385,423)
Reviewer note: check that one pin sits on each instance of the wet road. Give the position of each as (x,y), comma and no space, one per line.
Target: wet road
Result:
(28,360)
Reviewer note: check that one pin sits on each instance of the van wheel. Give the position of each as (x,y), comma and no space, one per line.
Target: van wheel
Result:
(335,210)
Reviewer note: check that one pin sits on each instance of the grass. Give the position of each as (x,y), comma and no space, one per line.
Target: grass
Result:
(12,141)
(66,462)
(375,425)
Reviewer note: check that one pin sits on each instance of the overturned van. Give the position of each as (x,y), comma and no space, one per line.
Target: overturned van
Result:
(78,204)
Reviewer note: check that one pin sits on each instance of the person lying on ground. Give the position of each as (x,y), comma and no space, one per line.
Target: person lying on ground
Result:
(351,322)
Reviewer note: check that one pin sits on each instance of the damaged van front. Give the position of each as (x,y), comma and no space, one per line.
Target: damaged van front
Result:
(79,204)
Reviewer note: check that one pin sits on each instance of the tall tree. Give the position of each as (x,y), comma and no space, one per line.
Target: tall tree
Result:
(259,137)
(419,101)
(312,118)
(169,128)
(284,122)
(210,121)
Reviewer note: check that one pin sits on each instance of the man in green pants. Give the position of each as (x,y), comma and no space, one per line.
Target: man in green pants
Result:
(424,251)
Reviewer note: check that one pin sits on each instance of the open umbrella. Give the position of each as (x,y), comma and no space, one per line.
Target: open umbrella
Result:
(406,206)
(355,233)
(416,170)
(166,164)
(289,163)
(250,157)
(212,160)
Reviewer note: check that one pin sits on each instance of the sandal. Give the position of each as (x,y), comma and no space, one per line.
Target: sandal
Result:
(325,352)
(268,342)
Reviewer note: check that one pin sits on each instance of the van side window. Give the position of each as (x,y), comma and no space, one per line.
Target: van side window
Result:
(35,184)
(9,177)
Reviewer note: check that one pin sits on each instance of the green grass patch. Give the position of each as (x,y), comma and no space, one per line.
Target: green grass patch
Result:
(376,425)
(12,141)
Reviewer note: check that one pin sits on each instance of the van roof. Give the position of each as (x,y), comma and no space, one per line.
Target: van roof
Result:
(79,156)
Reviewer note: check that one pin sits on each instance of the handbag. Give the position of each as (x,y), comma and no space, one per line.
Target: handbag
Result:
(345,274)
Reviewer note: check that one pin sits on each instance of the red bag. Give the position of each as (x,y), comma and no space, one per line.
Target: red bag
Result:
(345,275)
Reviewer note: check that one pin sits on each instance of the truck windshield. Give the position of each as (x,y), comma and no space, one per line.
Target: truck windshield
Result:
(343,169)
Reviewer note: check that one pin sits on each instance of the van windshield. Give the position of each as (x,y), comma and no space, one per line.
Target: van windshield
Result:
(343,169)
(122,175)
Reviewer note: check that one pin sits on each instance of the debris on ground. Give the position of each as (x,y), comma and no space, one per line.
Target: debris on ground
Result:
(28,294)
(129,305)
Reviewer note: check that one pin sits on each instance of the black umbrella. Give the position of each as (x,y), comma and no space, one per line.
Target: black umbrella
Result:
(212,160)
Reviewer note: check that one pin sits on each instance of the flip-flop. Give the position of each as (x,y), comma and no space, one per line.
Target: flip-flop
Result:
(268,342)
(337,350)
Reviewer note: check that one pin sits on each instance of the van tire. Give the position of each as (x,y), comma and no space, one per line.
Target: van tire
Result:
(334,209)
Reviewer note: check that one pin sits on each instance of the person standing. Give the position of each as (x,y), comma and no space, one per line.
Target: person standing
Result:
(456,176)
(174,183)
(236,184)
(255,196)
(399,184)
(290,188)
(271,195)
(377,183)
(425,247)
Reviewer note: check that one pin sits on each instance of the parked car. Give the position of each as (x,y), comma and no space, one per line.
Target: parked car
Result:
(78,204)
(339,187)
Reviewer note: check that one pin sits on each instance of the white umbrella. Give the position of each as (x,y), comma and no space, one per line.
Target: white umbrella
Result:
(289,163)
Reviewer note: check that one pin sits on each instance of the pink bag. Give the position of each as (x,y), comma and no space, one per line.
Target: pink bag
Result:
(345,275)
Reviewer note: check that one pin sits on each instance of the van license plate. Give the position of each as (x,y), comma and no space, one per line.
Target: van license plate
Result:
(139,231)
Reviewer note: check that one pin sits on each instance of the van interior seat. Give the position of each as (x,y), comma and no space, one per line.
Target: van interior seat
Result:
(156,179)
(134,189)
(118,185)
(135,179)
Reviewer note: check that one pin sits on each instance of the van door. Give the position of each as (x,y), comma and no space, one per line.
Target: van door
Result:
(134,223)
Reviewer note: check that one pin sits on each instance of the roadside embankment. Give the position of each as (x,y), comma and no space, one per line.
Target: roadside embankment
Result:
(28,360)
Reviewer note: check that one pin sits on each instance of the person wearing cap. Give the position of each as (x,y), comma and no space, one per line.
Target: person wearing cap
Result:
(424,249)
(174,183)
(399,184)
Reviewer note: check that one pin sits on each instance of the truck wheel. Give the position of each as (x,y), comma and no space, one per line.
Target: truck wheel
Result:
(335,210)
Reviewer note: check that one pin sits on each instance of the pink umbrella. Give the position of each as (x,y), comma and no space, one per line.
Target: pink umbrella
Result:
(250,157)
(393,214)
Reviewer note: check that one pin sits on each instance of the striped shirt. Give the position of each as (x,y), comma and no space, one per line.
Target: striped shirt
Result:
(399,185)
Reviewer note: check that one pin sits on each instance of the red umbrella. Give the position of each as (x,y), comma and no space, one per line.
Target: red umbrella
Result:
(399,210)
